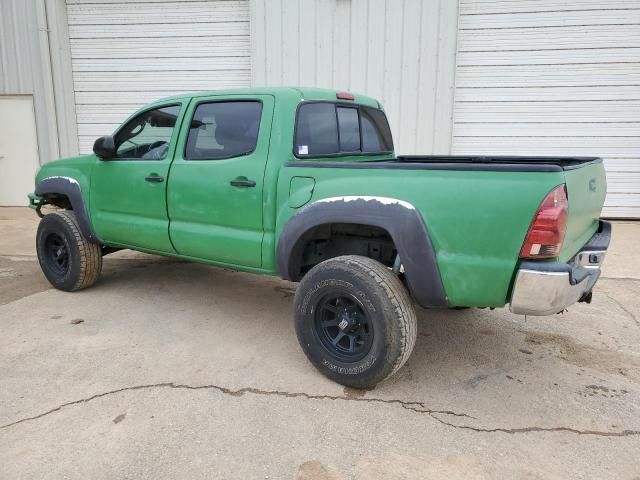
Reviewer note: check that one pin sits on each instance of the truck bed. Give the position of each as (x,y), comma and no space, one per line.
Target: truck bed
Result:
(584,178)
(477,209)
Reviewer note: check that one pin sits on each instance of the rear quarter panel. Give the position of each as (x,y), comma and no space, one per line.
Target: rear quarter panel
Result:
(477,220)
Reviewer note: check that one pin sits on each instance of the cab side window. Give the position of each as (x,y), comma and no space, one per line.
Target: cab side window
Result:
(221,130)
(376,135)
(147,136)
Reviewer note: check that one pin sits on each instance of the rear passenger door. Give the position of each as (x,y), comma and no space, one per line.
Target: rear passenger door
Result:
(215,191)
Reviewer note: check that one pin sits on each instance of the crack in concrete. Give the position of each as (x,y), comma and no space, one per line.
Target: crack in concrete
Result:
(414,406)
(624,279)
(622,307)
(417,407)
(599,433)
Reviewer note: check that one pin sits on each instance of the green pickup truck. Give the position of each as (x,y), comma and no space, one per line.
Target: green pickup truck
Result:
(303,183)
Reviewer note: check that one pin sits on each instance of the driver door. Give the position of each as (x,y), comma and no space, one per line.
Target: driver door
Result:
(129,191)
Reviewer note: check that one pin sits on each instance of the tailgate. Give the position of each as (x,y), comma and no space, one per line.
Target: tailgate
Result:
(586,189)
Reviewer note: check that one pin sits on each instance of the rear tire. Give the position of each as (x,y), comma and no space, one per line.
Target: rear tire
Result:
(68,260)
(355,320)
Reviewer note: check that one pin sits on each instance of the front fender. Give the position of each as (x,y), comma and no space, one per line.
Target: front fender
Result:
(71,189)
(401,219)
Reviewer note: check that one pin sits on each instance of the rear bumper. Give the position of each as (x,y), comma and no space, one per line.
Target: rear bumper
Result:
(545,288)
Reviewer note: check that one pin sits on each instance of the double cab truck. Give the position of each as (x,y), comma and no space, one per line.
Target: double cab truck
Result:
(303,183)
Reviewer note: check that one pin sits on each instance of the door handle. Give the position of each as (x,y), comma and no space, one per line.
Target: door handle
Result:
(242,182)
(154,178)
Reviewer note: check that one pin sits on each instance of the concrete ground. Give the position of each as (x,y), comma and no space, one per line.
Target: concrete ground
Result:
(166,369)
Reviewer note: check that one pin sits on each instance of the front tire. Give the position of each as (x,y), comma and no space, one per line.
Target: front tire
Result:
(355,320)
(68,260)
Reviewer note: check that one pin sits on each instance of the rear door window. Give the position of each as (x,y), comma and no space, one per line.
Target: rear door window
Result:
(223,130)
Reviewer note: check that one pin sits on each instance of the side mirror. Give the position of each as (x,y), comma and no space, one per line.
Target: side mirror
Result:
(105,147)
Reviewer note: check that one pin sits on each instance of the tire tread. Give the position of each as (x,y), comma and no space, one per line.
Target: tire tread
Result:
(90,253)
(394,299)
(398,295)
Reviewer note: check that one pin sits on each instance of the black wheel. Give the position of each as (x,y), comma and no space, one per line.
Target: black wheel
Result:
(68,260)
(354,320)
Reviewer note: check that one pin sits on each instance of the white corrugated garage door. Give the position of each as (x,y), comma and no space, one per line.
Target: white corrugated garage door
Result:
(126,53)
(549,77)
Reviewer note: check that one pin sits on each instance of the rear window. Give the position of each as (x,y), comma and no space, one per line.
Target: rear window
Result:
(327,129)
(317,129)
(348,129)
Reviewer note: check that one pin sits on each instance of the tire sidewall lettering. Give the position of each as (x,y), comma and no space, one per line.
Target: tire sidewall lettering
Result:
(307,309)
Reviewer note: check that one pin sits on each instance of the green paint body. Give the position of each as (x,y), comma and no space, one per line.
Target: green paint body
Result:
(477,220)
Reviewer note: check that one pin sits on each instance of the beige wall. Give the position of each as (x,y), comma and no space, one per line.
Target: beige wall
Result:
(18,149)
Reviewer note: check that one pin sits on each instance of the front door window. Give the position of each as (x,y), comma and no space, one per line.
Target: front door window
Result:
(147,136)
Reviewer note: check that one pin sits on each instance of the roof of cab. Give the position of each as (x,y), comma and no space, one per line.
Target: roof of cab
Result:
(299,93)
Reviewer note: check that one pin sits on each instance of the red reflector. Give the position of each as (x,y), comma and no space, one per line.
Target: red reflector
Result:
(345,96)
(546,233)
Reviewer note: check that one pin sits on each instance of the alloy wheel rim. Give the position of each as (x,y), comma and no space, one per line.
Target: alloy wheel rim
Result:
(343,327)
(57,254)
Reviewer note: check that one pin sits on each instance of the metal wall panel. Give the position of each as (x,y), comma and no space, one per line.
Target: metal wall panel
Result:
(401,52)
(527,6)
(551,77)
(34,60)
(126,53)
(21,67)
(18,39)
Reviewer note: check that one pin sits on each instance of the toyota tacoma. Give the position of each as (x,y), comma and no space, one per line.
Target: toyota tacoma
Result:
(304,184)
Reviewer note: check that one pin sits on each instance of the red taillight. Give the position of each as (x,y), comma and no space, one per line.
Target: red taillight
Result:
(345,96)
(546,233)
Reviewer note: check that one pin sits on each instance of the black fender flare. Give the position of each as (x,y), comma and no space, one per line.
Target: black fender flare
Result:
(71,189)
(401,219)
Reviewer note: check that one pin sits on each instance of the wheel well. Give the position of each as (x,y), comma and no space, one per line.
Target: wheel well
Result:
(335,239)
(59,200)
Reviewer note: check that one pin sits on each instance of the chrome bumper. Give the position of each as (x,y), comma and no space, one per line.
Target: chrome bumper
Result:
(545,288)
